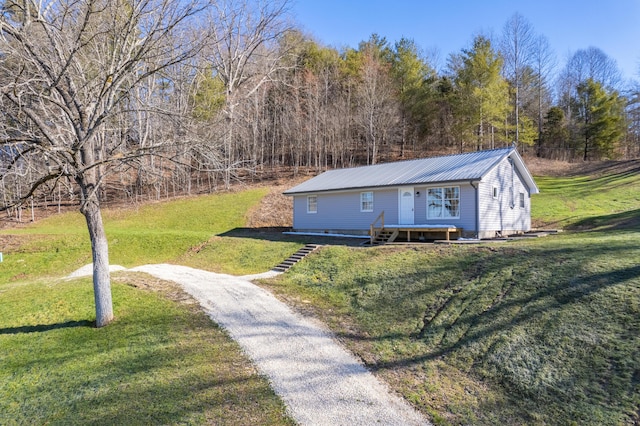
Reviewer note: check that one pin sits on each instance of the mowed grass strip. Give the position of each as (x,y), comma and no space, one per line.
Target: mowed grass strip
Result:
(161,362)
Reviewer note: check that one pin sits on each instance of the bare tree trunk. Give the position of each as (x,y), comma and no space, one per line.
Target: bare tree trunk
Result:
(100,253)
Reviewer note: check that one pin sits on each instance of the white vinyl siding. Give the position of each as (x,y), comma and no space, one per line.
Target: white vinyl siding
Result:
(505,213)
(443,203)
(366,201)
(312,204)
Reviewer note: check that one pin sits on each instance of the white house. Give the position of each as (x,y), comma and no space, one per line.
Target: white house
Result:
(480,194)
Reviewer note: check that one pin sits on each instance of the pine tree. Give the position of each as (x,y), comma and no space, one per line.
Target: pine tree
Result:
(412,77)
(555,135)
(601,114)
(482,92)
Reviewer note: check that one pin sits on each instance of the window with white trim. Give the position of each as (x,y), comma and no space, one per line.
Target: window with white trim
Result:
(366,201)
(522,200)
(312,203)
(443,203)
(495,192)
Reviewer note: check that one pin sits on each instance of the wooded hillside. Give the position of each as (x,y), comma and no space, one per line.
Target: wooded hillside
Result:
(243,93)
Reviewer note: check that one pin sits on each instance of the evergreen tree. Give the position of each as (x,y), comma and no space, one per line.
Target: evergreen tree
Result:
(601,114)
(482,102)
(554,139)
(412,77)
(208,97)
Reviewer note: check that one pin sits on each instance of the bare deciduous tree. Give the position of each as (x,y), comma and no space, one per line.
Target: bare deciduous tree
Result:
(245,55)
(377,108)
(68,71)
(543,61)
(517,49)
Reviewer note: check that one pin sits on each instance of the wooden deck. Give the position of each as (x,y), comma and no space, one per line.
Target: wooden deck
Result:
(448,231)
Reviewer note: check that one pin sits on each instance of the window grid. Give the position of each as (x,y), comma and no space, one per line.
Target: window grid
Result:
(312,204)
(443,203)
(366,201)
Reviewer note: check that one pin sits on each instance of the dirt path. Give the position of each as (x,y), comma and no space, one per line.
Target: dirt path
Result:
(320,382)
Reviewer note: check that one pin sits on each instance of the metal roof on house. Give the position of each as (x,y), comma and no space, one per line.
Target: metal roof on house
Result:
(470,166)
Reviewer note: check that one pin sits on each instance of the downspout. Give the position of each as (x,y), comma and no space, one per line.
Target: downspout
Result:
(512,187)
(477,188)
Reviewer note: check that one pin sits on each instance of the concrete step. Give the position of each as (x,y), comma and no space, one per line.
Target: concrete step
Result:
(295,258)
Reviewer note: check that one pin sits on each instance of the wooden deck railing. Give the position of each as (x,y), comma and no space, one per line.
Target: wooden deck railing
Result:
(375,230)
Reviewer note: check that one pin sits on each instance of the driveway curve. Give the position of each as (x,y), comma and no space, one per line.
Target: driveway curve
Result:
(320,382)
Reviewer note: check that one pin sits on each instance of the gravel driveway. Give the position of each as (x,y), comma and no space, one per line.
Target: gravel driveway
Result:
(320,382)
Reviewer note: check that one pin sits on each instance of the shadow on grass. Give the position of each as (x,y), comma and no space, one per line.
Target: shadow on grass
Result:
(605,168)
(618,221)
(277,234)
(584,187)
(493,322)
(140,370)
(46,327)
(542,321)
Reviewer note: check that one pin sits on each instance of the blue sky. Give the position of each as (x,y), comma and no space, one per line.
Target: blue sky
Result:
(449,25)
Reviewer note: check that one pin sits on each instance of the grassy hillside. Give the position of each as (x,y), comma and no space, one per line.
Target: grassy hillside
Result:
(605,196)
(186,232)
(543,331)
(162,361)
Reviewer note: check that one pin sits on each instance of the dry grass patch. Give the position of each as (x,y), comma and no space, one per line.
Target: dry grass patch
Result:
(274,210)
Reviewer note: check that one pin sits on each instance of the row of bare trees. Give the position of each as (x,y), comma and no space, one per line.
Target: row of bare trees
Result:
(237,91)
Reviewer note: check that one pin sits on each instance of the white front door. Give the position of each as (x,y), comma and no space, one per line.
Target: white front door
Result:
(405,202)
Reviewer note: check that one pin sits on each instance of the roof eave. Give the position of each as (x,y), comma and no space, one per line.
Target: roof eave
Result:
(524,172)
(394,185)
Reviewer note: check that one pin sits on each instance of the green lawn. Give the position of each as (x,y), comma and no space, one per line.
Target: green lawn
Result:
(543,331)
(185,231)
(162,361)
(589,201)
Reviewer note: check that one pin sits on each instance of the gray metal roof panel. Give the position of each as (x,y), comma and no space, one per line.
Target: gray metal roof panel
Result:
(449,168)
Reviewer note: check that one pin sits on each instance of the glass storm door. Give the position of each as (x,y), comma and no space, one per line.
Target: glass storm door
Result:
(405,195)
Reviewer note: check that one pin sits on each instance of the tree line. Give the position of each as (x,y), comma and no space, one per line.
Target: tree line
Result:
(244,92)
(383,101)
(326,108)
